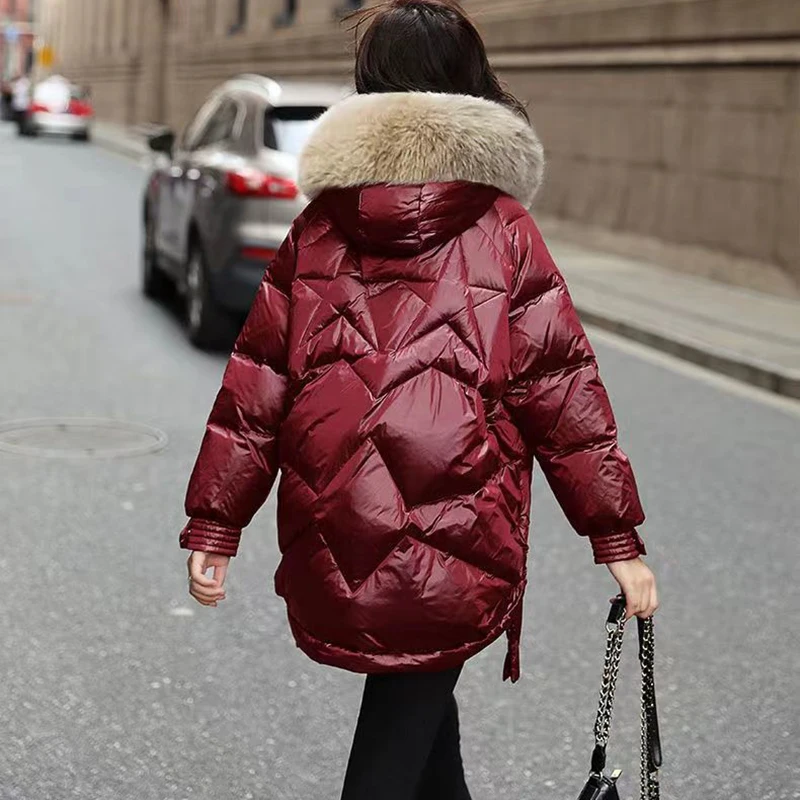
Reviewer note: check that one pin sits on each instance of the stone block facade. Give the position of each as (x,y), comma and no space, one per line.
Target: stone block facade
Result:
(672,126)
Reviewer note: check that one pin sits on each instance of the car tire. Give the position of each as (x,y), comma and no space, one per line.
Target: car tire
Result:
(155,282)
(209,326)
(83,136)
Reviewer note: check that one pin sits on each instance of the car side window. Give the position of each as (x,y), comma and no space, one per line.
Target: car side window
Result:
(194,130)
(220,126)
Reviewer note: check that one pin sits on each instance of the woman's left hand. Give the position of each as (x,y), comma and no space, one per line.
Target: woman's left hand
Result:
(207,591)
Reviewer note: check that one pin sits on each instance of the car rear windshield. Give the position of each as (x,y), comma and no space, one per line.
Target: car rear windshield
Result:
(287,128)
(54,94)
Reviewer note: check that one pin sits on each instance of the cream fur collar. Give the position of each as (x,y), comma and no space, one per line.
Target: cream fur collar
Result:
(419,137)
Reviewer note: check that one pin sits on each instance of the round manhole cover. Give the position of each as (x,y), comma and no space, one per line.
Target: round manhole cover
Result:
(79,438)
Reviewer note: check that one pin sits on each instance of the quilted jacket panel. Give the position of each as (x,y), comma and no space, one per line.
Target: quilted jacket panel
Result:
(403,390)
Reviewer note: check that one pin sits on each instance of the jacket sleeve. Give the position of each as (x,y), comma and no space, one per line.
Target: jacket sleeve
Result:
(559,403)
(238,459)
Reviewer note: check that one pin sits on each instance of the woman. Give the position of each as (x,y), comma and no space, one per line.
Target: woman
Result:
(411,350)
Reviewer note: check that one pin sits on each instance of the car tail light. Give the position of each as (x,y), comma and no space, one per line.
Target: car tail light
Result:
(265,254)
(252,183)
(79,109)
(38,108)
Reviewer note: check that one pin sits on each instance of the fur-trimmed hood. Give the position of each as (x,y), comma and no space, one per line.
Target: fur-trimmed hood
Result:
(419,137)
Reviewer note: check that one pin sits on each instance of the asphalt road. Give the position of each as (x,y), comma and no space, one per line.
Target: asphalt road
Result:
(114,685)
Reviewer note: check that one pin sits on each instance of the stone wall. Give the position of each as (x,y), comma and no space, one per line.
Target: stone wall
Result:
(672,126)
(701,155)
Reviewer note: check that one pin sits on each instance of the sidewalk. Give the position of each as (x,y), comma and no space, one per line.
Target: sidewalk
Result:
(747,335)
(126,141)
(744,334)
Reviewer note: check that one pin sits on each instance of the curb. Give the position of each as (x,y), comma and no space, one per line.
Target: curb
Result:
(126,142)
(763,375)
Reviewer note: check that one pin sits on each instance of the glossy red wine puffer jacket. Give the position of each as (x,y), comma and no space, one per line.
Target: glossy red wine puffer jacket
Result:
(410,352)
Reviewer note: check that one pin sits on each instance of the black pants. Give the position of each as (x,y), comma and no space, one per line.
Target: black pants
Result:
(407,745)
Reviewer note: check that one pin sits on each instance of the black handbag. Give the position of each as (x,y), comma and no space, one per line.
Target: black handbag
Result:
(601,786)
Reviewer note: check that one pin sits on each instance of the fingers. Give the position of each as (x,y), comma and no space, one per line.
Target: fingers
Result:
(642,600)
(653,605)
(648,600)
(633,604)
(220,572)
(207,591)
(207,596)
(197,569)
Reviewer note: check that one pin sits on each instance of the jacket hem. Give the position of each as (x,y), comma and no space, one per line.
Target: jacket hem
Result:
(376,663)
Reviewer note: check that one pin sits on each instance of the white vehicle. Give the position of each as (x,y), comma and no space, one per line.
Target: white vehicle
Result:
(59,107)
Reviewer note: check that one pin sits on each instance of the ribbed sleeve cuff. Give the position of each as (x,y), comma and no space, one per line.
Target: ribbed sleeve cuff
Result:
(617,547)
(210,537)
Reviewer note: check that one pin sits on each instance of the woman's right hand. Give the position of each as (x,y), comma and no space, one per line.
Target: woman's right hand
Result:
(638,584)
(207,591)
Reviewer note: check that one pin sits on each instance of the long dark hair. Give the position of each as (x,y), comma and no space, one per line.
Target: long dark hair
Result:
(424,46)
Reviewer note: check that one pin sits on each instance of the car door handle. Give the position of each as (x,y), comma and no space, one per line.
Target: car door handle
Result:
(175,171)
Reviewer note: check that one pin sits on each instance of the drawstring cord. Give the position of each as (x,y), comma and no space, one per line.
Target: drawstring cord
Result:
(511,667)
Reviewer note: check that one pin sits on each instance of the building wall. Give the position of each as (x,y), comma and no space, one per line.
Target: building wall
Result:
(14,56)
(672,126)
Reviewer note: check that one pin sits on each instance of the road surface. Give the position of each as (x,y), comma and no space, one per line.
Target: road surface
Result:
(115,685)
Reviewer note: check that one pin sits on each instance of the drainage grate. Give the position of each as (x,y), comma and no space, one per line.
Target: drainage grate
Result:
(79,438)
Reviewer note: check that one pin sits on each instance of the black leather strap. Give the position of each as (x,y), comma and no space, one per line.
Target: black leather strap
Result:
(651,715)
(598,758)
(617,611)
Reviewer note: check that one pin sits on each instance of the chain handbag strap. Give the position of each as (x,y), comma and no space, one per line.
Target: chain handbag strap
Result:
(650,740)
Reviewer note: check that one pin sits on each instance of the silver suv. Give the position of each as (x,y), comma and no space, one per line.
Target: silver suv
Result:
(223,196)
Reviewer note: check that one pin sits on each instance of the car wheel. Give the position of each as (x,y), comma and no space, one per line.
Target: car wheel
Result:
(155,283)
(83,136)
(208,324)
